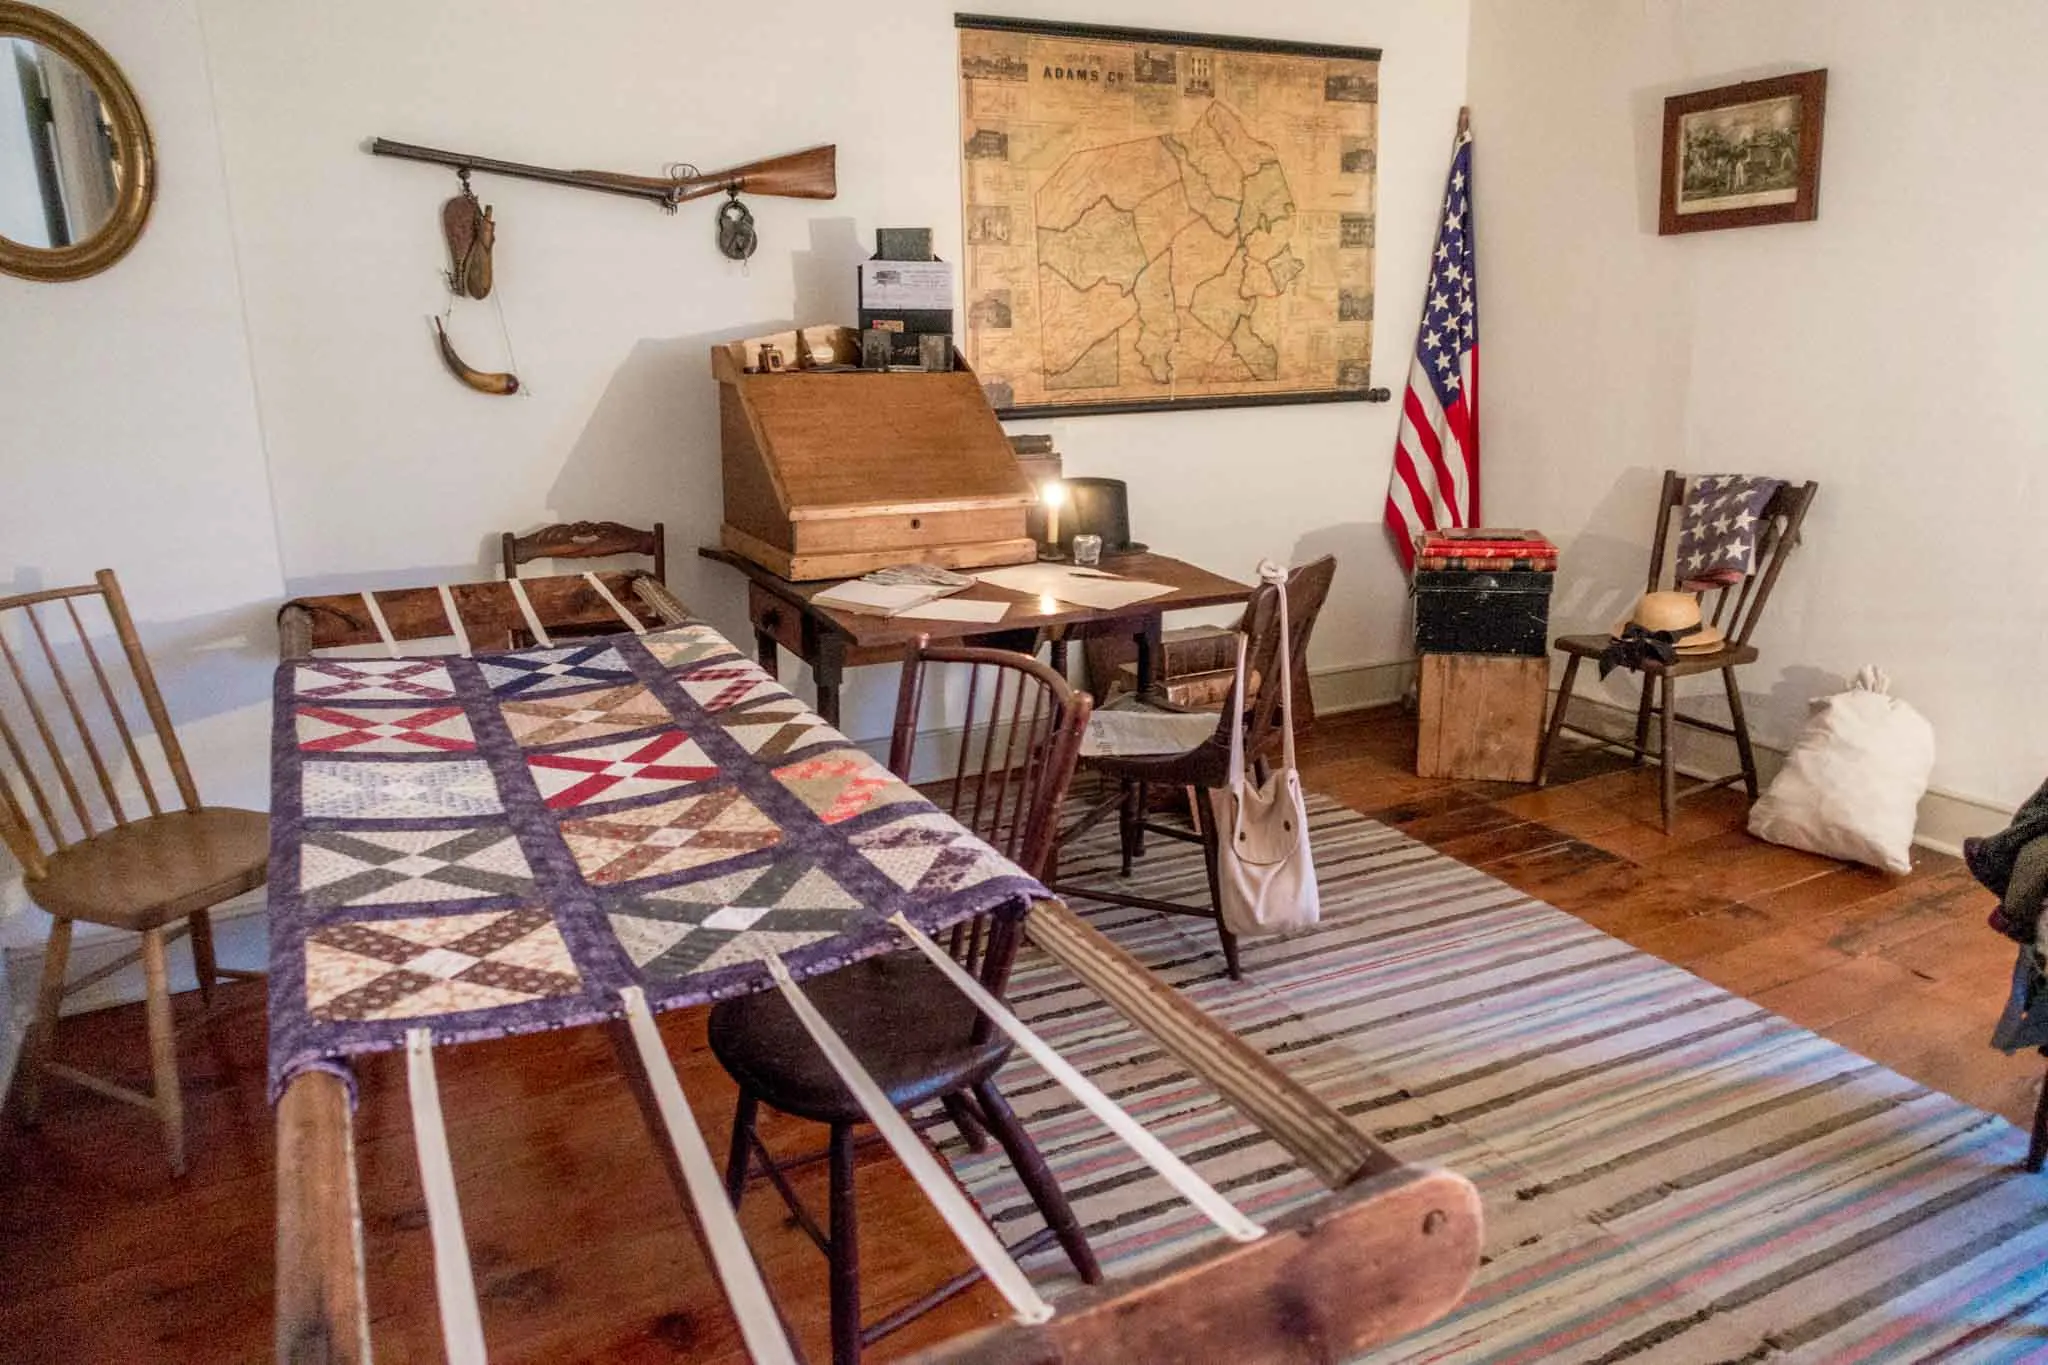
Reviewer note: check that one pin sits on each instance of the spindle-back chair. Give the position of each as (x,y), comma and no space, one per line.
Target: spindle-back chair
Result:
(1734,607)
(87,849)
(920,1039)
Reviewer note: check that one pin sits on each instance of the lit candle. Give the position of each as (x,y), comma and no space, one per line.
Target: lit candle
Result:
(1052,493)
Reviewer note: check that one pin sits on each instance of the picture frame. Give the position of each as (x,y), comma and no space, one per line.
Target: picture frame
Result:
(1156,220)
(1743,155)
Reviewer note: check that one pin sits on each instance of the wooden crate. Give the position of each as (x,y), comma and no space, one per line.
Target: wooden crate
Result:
(1481,716)
(831,472)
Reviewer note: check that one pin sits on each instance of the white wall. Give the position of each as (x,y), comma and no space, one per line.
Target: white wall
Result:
(386,469)
(130,436)
(1890,349)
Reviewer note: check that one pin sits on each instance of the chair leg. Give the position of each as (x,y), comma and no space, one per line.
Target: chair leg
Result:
(1038,1181)
(1643,710)
(845,1251)
(1550,731)
(740,1151)
(2037,1150)
(203,965)
(1667,756)
(49,1000)
(1128,814)
(964,1119)
(163,1046)
(1740,724)
(1205,825)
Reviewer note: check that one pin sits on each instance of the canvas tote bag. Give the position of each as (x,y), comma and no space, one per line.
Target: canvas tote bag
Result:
(1265,875)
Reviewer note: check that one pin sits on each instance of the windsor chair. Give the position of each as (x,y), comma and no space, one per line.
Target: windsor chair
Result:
(922,1040)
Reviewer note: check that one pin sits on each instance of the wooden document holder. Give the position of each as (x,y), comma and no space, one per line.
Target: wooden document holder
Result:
(832,473)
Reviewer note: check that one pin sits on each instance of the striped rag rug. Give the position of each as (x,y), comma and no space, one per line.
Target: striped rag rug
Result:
(1670,1172)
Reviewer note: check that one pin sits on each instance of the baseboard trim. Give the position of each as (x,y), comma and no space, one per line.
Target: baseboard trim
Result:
(1358,687)
(1945,818)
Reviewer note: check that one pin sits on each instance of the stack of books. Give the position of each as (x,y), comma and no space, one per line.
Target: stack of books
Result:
(1485,549)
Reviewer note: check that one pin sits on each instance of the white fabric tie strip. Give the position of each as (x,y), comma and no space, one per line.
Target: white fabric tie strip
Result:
(454,620)
(462,1329)
(377,619)
(632,621)
(974,1234)
(533,625)
(760,1328)
(1155,1153)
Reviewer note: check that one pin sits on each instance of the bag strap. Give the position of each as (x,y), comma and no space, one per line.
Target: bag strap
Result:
(1236,700)
(1276,574)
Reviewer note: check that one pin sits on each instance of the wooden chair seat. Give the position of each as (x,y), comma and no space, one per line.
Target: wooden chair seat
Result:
(910,1027)
(152,871)
(1727,656)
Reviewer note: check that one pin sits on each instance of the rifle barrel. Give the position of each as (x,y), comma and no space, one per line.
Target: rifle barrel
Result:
(662,192)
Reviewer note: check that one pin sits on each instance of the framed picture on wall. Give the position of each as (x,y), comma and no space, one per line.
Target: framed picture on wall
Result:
(1743,155)
(1159,220)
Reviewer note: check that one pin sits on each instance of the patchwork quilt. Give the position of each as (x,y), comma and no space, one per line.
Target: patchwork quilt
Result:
(499,844)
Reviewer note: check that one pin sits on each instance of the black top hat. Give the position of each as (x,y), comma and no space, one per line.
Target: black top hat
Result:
(1100,507)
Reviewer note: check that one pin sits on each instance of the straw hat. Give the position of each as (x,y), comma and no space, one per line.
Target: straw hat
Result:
(1674,611)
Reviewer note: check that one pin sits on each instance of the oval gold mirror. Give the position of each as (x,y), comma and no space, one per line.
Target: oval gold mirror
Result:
(77,173)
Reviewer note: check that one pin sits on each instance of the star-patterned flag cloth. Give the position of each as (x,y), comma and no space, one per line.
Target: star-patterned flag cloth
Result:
(500,844)
(1723,514)
(1435,482)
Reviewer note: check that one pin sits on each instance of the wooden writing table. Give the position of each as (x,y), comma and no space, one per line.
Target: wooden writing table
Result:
(831,642)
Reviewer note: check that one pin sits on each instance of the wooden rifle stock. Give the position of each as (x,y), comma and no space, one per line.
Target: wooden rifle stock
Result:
(809,174)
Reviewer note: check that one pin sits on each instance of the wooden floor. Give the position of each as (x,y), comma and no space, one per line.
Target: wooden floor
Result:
(579,1250)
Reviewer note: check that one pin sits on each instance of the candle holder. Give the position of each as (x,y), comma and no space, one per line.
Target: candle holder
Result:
(1053,494)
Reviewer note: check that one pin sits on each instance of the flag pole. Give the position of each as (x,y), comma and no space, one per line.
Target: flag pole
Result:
(1464,119)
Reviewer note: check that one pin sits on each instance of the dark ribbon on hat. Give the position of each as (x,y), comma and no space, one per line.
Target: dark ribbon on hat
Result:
(1635,644)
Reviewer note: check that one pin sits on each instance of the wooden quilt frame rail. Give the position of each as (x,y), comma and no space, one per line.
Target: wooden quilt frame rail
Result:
(1390,1250)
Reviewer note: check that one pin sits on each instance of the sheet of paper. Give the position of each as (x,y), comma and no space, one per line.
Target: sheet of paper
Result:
(875,599)
(956,609)
(1082,587)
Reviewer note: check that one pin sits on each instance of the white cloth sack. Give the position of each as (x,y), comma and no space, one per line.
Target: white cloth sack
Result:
(1265,871)
(1852,784)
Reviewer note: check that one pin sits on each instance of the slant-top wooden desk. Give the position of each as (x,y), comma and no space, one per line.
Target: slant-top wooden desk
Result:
(831,642)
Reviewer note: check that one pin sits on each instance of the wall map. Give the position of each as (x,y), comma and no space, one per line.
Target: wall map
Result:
(1165,219)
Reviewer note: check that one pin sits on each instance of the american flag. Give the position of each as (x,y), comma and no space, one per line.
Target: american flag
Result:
(1435,483)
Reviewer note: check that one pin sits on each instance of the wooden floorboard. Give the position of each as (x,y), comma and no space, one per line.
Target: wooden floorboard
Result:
(579,1250)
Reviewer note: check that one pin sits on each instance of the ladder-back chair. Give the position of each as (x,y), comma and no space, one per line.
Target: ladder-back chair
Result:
(920,1038)
(81,812)
(1735,608)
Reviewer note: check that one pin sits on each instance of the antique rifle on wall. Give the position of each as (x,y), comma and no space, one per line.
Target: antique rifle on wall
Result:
(809,174)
